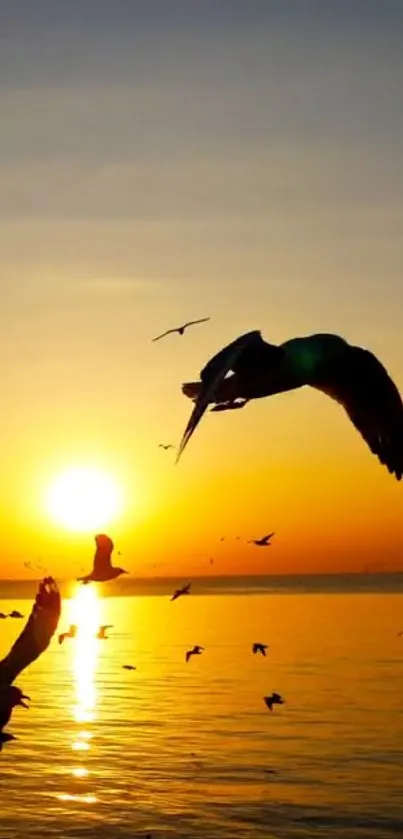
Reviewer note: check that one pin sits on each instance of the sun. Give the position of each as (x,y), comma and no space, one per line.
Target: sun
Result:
(84,499)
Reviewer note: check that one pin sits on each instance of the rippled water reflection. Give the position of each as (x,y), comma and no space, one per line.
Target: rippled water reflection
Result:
(190,750)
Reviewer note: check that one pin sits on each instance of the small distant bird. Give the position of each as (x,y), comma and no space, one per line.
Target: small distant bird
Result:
(71,633)
(274,699)
(102,630)
(352,376)
(196,651)
(15,614)
(103,570)
(165,446)
(2,616)
(399,634)
(180,329)
(264,542)
(30,644)
(260,648)
(211,561)
(128,667)
(180,591)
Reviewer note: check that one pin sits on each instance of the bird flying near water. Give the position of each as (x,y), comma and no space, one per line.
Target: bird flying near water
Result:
(128,667)
(180,329)
(71,633)
(180,591)
(103,570)
(350,375)
(165,446)
(274,699)
(260,648)
(15,614)
(33,640)
(101,634)
(197,650)
(264,542)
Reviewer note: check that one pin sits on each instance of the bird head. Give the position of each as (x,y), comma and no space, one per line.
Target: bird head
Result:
(14,696)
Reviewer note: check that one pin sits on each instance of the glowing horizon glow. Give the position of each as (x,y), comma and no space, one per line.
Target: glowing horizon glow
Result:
(85,613)
(84,499)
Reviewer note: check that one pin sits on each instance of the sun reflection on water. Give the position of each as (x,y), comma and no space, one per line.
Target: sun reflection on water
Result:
(85,614)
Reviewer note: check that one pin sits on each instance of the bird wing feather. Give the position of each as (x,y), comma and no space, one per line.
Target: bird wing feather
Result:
(163,334)
(102,559)
(37,633)
(193,322)
(212,377)
(360,383)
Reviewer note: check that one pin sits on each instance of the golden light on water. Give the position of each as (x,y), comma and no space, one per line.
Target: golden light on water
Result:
(85,614)
(84,500)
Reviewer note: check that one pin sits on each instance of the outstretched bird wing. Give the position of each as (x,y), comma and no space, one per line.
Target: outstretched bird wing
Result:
(163,334)
(266,538)
(360,383)
(212,377)
(102,557)
(37,633)
(193,322)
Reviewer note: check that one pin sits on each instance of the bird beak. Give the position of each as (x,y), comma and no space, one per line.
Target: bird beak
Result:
(24,705)
(208,390)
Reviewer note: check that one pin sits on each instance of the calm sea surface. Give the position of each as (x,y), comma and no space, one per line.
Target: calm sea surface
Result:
(190,750)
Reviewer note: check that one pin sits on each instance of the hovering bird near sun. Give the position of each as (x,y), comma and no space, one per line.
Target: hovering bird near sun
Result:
(180,329)
(33,640)
(264,542)
(260,648)
(128,667)
(15,614)
(195,651)
(166,446)
(351,375)
(103,570)
(274,699)
(71,633)
(180,591)
(101,634)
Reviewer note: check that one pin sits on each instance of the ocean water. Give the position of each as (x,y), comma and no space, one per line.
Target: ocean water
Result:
(190,750)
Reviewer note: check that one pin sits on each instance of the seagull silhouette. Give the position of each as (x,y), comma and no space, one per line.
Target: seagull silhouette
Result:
(128,667)
(2,616)
(33,640)
(351,375)
(71,633)
(103,570)
(260,648)
(274,699)
(15,614)
(180,591)
(195,651)
(10,697)
(264,542)
(165,446)
(102,630)
(180,329)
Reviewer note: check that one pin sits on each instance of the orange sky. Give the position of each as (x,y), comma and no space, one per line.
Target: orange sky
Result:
(154,170)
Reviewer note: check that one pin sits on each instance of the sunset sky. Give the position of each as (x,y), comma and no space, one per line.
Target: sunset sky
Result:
(163,161)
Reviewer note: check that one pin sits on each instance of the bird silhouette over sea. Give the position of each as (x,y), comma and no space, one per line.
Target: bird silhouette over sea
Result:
(165,446)
(101,634)
(128,667)
(71,633)
(180,591)
(30,644)
(264,542)
(274,699)
(103,570)
(197,650)
(260,648)
(180,329)
(2,616)
(15,614)
(351,375)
